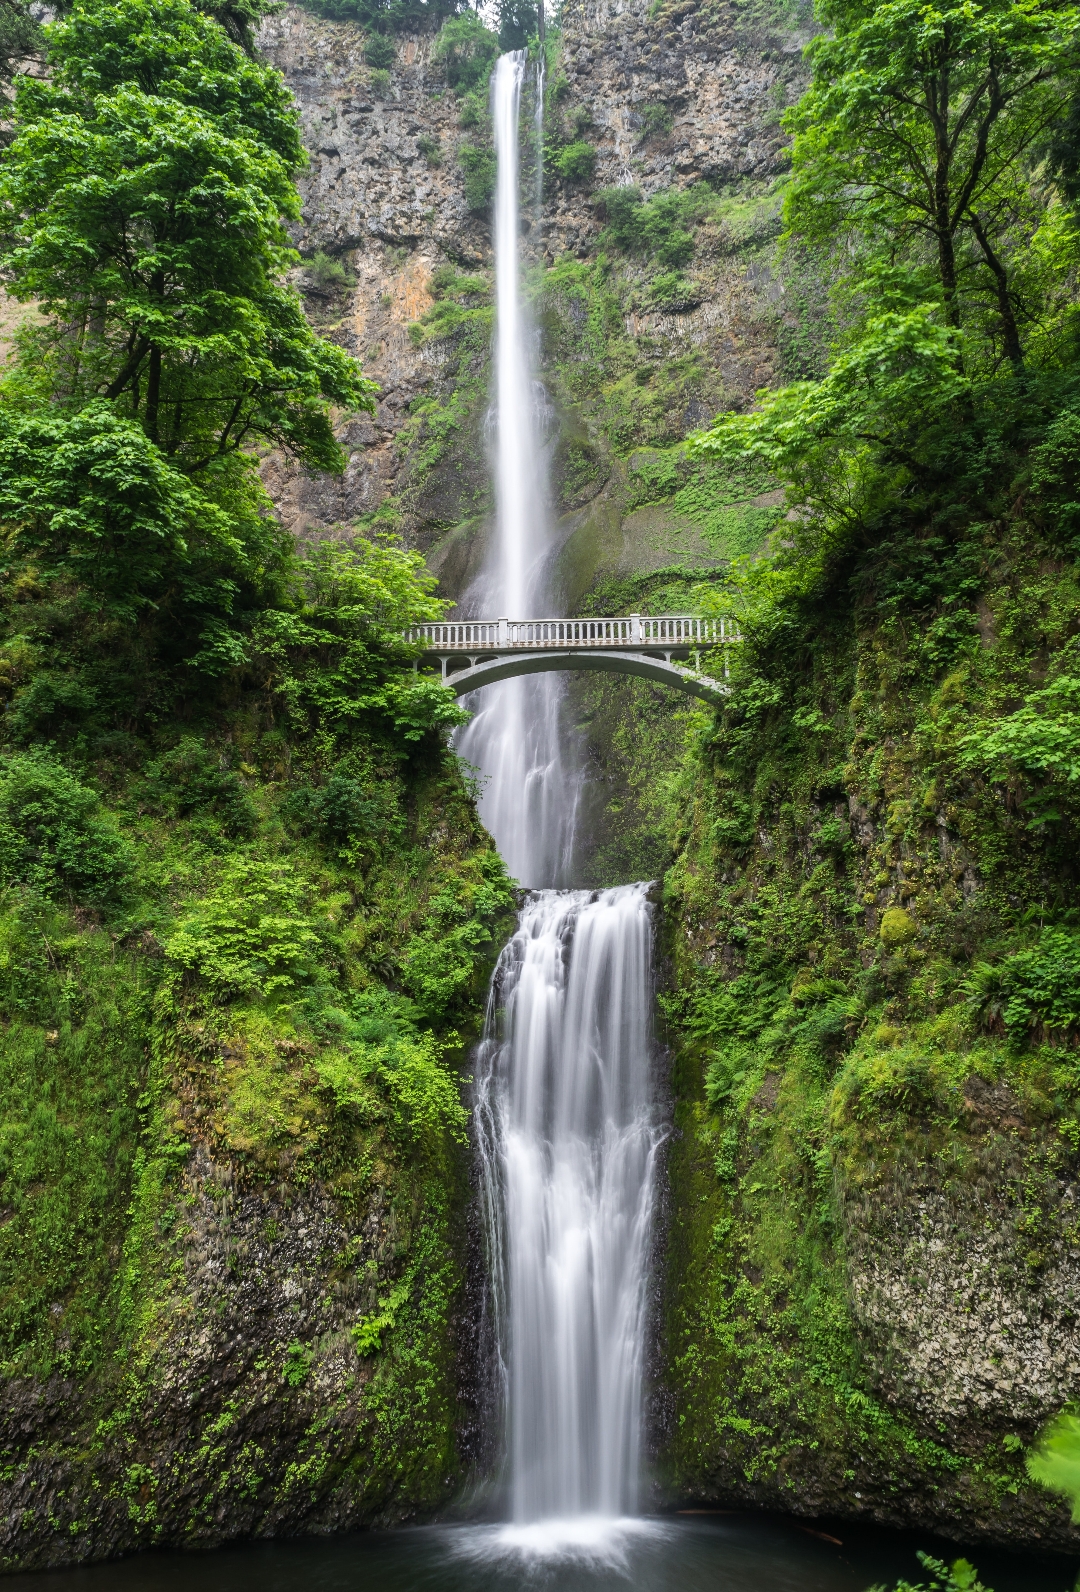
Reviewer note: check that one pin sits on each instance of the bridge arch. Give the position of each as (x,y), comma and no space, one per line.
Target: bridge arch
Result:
(486,670)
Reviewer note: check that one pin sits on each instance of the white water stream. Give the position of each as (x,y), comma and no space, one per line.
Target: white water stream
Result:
(568,1145)
(565,1118)
(529,792)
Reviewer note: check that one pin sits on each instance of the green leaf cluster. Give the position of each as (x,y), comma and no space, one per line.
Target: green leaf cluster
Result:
(1035,991)
(250,935)
(55,836)
(1055,1459)
(468,51)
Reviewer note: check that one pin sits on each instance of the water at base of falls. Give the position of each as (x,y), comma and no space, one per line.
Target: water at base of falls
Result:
(568,1142)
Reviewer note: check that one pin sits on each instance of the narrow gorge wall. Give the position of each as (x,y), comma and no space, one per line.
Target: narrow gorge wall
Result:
(677,98)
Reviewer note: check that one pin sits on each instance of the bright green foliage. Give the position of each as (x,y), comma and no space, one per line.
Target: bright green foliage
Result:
(1042,737)
(368,1332)
(439,962)
(468,50)
(918,131)
(172,51)
(92,500)
(341,657)
(846,442)
(1032,991)
(425,1095)
(55,836)
(576,162)
(1055,1459)
(145,187)
(297,1367)
(960,1576)
(251,935)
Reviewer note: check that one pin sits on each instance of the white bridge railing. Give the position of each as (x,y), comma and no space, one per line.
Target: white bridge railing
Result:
(636,630)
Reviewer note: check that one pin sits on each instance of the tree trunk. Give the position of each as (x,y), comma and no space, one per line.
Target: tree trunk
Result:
(153,392)
(1014,353)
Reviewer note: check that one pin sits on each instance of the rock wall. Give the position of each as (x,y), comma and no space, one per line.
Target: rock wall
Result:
(385,194)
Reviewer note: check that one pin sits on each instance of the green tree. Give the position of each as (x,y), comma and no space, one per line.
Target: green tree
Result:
(144,194)
(919,130)
(468,50)
(20,37)
(341,657)
(387,16)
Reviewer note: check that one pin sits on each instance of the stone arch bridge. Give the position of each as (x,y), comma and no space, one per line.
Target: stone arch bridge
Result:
(666,648)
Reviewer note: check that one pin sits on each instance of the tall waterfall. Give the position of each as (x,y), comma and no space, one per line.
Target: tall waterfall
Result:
(516,738)
(568,1147)
(564,1113)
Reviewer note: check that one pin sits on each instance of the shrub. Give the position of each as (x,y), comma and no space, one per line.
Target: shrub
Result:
(380,81)
(576,162)
(479,168)
(1042,737)
(1032,991)
(467,50)
(192,779)
(672,294)
(54,834)
(249,936)
(53,707)
(655,121)
(425,1095)
(343,813)
(654,227)
(474,110)
(430,149)
(324,274)
(380,51)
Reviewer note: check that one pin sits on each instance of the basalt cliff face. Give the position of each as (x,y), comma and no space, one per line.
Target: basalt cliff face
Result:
(672,98)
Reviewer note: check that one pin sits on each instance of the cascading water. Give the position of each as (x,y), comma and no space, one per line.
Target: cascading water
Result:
(568,1144)
(564,1115)
(529,791)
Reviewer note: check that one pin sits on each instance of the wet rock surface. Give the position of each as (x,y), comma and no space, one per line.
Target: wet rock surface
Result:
(385,194)
(247,1412)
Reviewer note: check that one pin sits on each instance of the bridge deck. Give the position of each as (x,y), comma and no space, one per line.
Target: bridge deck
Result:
(479,652)
(664,632)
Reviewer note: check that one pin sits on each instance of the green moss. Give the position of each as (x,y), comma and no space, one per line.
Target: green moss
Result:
(837,869)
